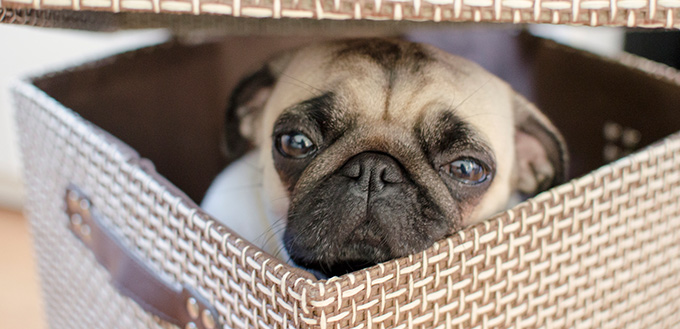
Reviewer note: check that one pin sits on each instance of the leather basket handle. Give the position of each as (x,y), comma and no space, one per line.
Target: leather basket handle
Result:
(171,302)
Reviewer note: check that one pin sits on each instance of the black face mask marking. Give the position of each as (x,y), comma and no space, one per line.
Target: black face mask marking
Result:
(371,209)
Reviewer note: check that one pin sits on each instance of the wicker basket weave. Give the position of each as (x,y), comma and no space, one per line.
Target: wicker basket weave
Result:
(600,251)
(79,13)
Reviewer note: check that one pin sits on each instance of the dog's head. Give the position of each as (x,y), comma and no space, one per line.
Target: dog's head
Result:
(374,149)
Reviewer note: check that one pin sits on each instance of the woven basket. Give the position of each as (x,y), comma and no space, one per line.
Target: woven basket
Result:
(600,251)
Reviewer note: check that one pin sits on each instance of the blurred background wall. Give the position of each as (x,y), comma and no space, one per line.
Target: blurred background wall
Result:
(27,50)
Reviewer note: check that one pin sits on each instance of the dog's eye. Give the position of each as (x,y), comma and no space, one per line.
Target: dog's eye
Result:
(466,170)
(295,145)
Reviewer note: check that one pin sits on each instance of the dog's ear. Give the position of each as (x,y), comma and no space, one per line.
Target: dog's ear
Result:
(246,104)
(542,156)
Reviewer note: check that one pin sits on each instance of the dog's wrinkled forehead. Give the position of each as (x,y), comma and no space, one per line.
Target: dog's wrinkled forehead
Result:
(387,54)
(385,80)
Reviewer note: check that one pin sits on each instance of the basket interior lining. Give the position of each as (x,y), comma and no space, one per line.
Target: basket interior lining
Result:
(592,94)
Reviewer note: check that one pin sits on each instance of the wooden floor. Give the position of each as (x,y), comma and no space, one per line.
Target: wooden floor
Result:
(19,291)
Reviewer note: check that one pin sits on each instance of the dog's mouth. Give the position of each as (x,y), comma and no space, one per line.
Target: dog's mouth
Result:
(334,242)
(342,265)
(363,247)
(325,271)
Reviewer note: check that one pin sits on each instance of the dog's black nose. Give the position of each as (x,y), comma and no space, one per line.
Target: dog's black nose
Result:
(373,171)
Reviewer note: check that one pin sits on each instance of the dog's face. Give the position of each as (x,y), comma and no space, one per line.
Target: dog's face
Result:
(374,149)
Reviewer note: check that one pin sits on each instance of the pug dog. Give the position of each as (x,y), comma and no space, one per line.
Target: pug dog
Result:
(355,152)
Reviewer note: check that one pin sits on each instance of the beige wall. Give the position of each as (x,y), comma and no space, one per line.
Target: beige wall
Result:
(606,41)
(28,50)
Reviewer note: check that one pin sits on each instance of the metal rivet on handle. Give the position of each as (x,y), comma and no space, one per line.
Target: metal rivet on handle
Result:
(76,219)
(73,196)
(193,308)
(85,230)
(84,204)
(208,319)
(631,138)
(191,325)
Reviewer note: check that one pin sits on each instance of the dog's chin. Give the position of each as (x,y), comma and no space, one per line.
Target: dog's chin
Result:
(328,255)
(337,240)
(346,261)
